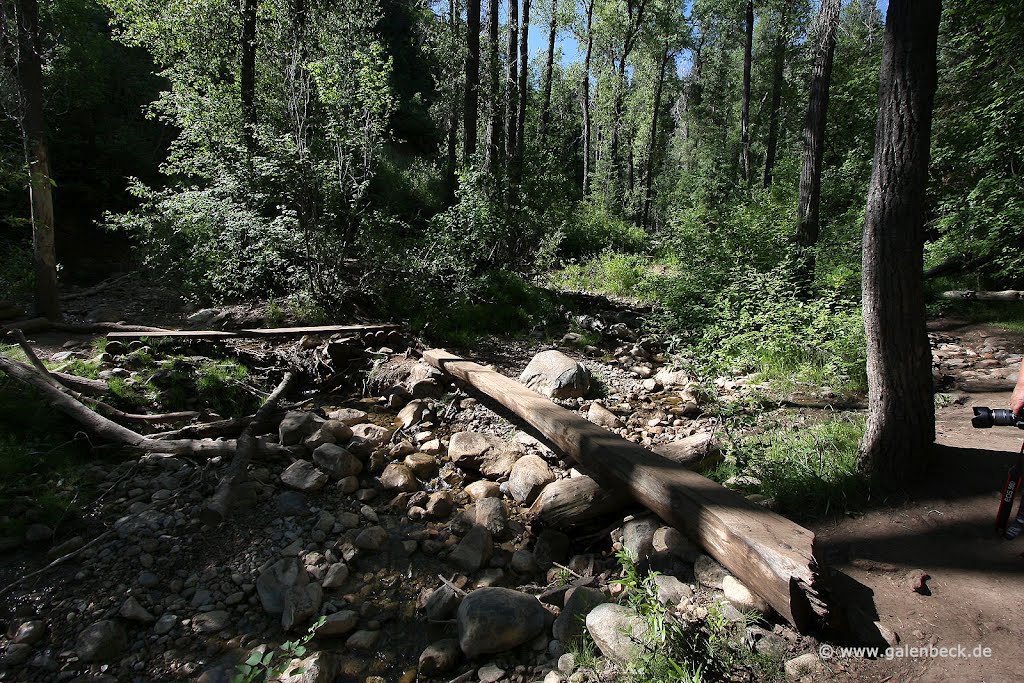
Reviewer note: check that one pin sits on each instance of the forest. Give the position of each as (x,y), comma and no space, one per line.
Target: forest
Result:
(765,246)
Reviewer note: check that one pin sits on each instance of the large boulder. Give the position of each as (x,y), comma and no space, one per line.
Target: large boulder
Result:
(555,375)
(103,641)
(493,620)
(616,630)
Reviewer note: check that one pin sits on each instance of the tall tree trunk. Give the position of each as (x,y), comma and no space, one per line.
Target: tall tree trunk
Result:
(636,13)
(453,119)
(807,227)
(778,80)
(512,81)
(549,67)
(901,411)
(494,112)
(649,171)
(748,47)
(33,127)
(472,94)
(585,96)
(248,75)
(524,69)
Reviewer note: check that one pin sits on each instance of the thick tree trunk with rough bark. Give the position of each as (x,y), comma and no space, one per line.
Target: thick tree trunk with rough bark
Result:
(472,93)
(901,412)
(30,82)
(748,48)
(452,142)
(585,97)
(807,227)
(549,67)
(512,81)
(494,122)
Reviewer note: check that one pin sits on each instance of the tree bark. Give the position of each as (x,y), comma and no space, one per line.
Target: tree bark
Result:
(901,413)
(778,81)
(494,120)
(512,81)
(748,47)
(524,69)
(807,226)
(452,143)
(248,75)
(472,92)
(549,67)
(649,170)
(587,153)
(33,127)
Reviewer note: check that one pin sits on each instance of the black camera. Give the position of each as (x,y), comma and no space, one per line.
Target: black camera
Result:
(998,417)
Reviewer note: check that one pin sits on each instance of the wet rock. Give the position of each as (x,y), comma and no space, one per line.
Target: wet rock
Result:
(600,415)
(103,641)
(398,477)
(296,426)
(614,628)
(440,657)
(555,375)
(336,461)
(742,597)
(708,572)
(16,655)
(132,610)
(529,475)
(273,583)
(338,624)
(474,550)
(303,476)
(494,620)
(569,624)
(300,603)
(30,632)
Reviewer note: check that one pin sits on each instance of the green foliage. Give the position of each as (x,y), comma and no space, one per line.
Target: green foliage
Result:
(592,229)
(264,664)
(617,274)
(810,470)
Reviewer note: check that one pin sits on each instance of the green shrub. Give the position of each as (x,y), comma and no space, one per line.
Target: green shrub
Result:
(593,230)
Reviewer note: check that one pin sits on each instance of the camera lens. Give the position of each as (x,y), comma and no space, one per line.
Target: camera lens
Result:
(983,418)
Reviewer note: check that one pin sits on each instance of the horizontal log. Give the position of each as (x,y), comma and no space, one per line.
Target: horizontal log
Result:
(250,333)
(977,295)
(83,385)
(772,555)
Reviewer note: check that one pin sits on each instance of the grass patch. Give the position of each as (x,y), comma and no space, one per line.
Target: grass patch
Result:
(810,471)
(615,274)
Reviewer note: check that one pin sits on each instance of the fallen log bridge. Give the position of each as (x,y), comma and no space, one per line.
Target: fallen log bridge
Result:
(772,555)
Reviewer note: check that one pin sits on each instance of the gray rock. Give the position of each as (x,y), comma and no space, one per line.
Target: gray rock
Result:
(600,415)
(274,582)
(440,504)
(442,603)
(304,476)
(375,434)
(804,665)
(440,657)
(348,416)
(337,462)
(552,546)
(523,562)
(412,413)
(671,591)
(30,632)
(489,673)
(103,641)
(614,628)
(474,550)
(423,465)
(484,453)
(638,538)
(569,624)
(483,489)
(211,622)
(16,654)
(132,610)
(372,538)
(555,375)
(398,477)
(301,603)
(709,573)
(319,667)
(742,597)
(291,504)
(491,514)
(363,640)
(669,540)
(493,620)
(529,475)
(165,623)
(336,575)
(296,426)
(338,624)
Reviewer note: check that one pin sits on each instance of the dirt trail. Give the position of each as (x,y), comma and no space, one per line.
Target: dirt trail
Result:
(946,530)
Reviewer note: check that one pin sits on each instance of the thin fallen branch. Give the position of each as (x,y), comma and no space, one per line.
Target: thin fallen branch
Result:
(107,429)
(223,498)
(60,560)
(96,289)
(100,406)
(221,428)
